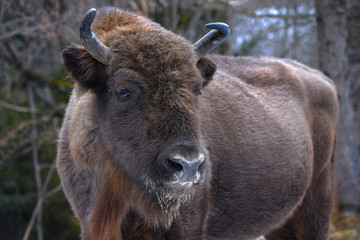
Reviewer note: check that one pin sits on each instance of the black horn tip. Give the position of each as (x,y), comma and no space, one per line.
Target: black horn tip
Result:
(223,28)
(85,30)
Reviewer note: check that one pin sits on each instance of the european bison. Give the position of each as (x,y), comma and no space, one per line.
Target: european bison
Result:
(157,145)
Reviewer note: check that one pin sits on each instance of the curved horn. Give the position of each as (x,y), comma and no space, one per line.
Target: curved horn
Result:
(91,43)
(213,38)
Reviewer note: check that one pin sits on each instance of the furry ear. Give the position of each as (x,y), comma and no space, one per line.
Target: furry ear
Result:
(84,69)
(207,69)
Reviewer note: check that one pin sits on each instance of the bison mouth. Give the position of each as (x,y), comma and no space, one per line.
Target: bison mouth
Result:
(171,195)
(159,203)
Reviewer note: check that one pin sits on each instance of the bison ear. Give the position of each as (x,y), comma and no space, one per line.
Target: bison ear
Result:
(84,69)
(207,69)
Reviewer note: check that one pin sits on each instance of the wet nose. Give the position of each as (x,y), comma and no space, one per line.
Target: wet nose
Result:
(186,169)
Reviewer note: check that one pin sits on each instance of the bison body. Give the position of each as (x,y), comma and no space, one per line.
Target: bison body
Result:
(142,155)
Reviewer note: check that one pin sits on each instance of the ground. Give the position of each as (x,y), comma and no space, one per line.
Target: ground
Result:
(346,226)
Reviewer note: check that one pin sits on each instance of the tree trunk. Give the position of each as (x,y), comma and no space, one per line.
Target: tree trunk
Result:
(332,36)
(353,51)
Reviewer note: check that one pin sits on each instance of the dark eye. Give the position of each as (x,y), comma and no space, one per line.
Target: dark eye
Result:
(198,93)
(124,95)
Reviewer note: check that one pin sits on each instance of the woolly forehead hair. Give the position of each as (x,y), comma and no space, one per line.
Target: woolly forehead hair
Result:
(154,52)
(111,23)
(144,46)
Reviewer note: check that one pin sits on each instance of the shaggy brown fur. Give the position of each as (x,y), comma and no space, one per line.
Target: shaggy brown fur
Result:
(266,126)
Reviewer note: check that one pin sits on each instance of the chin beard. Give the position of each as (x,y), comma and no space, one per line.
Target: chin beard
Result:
(170,197)
(159,203)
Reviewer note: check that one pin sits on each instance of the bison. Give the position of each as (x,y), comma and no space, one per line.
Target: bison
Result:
(158,144)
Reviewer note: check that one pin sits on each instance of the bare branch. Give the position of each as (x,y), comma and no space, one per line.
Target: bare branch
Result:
(15,107)
(53,191)
(26,30)
(40,200)
(19,21)
(36,160)
(281,16)
(32,220)
(133,5)
(45,166)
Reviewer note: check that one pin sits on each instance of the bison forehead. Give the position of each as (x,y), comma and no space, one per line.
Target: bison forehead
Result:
(154,53)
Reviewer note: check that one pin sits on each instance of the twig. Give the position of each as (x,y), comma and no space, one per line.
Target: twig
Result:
(133,5)
(27,30)
(36,164)
(32,220)
(46,165)
(44,195)
(15,107)
(53,191)
(259,15)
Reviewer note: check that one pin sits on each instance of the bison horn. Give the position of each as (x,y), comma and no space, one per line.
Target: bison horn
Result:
(91,43)
(213,38)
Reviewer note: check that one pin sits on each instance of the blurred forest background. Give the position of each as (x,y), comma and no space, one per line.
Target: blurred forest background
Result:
(323,34)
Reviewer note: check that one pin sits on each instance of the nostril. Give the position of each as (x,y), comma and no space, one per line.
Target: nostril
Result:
(174,165)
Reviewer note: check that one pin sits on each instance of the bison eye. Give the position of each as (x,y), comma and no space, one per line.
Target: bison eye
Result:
(124,95)
(198,93)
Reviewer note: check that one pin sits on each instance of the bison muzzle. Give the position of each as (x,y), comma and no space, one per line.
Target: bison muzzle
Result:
(158,144)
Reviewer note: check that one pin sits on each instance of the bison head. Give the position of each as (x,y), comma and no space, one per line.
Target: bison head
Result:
(143,84)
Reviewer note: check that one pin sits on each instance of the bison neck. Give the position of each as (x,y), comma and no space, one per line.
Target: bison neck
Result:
(188,221)
(122,210)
